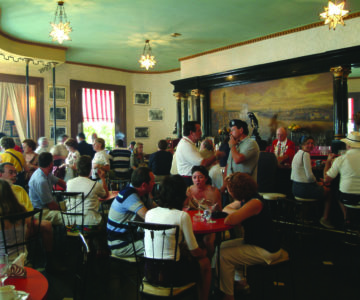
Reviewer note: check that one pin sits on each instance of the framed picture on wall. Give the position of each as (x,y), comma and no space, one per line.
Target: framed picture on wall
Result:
(155,114)
(59,131)
(61,113)
(142,132)
(60,93)
(142,98)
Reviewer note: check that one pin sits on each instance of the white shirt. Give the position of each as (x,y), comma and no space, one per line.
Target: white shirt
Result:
(348,165)
(163,215)
(100,158)
(187,156)
(91,204)
(301,170)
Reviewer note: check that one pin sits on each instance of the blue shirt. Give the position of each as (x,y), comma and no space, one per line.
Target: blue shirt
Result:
(40,188)
(123,209)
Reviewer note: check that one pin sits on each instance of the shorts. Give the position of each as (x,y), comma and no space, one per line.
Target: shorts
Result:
(308,190)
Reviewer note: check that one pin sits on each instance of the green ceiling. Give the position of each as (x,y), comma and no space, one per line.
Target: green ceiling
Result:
(112,32)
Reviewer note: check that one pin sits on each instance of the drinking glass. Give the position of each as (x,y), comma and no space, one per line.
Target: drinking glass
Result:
(201,201)
(211,208)
(4,268)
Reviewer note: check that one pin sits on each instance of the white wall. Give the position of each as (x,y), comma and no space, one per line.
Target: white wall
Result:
(157,84)
(306,42)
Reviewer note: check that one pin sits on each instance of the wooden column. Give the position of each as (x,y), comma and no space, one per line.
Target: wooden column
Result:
(340,93)
(204,113)
(185,108)
(197,109)
(178,114)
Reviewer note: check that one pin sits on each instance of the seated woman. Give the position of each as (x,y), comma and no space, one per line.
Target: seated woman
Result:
(43,145)
(71,160)
(202,193)
(9,205)
(304,181)
(259,245)
(31,158)
(192,263)
(137,158)
(92,190)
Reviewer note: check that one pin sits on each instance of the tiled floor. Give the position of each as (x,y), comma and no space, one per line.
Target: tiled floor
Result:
(322,266)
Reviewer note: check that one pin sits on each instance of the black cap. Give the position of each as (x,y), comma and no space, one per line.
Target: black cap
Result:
(238,123)
(132,143)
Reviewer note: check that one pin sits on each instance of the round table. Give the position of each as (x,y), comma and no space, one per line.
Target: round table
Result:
(35,284)
(206,228)
(200,227)
(112,195)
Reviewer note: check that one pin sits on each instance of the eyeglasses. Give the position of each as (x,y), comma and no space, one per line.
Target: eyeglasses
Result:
(12,172)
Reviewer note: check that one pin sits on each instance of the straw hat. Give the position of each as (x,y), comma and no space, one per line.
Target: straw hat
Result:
(352,139)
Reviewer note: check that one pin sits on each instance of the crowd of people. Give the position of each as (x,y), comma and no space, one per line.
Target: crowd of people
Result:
(191,178)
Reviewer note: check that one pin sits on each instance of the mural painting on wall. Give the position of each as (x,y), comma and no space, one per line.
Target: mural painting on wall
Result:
(304,103)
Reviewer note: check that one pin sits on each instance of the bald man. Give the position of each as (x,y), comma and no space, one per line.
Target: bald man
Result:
(283,148)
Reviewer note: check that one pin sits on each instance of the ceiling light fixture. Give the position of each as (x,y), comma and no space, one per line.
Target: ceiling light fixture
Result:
(334,14)
(60,27)
(147,60)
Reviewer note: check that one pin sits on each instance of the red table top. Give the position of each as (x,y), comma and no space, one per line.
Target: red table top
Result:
(206,228)
(35,284)
(112,195)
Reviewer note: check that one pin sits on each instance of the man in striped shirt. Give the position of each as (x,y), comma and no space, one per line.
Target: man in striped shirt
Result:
(120,160)
(132,203)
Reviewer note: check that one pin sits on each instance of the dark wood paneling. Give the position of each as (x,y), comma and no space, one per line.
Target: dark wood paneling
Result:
(311,64)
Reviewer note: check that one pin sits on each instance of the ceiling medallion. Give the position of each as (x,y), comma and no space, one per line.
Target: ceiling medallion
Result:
(147,60)
(60,27)
(334,14)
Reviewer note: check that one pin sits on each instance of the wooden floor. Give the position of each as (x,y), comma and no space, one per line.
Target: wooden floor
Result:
(322,266)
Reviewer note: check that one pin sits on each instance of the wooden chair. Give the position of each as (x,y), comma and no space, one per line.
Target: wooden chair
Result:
(159,234)
(72,211)
(20,231)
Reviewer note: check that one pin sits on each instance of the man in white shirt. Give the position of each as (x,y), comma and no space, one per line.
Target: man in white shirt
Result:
(187,155)
(348,166)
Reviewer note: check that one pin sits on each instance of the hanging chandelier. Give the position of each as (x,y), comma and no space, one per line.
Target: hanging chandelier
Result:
(60,27)
(334,14)
(147,60)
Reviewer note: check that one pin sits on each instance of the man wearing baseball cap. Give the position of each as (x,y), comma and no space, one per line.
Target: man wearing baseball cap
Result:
(244,151)
(348,166)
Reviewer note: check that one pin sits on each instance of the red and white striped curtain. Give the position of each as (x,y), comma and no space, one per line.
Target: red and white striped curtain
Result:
(98,105)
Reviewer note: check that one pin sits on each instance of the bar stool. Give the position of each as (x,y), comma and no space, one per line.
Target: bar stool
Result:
(274,202)
(352,224)
(306,214)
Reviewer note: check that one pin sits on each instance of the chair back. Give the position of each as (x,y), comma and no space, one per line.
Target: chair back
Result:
(117,184)
(159,261)
(18,231)
(72,210)
(105,208)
